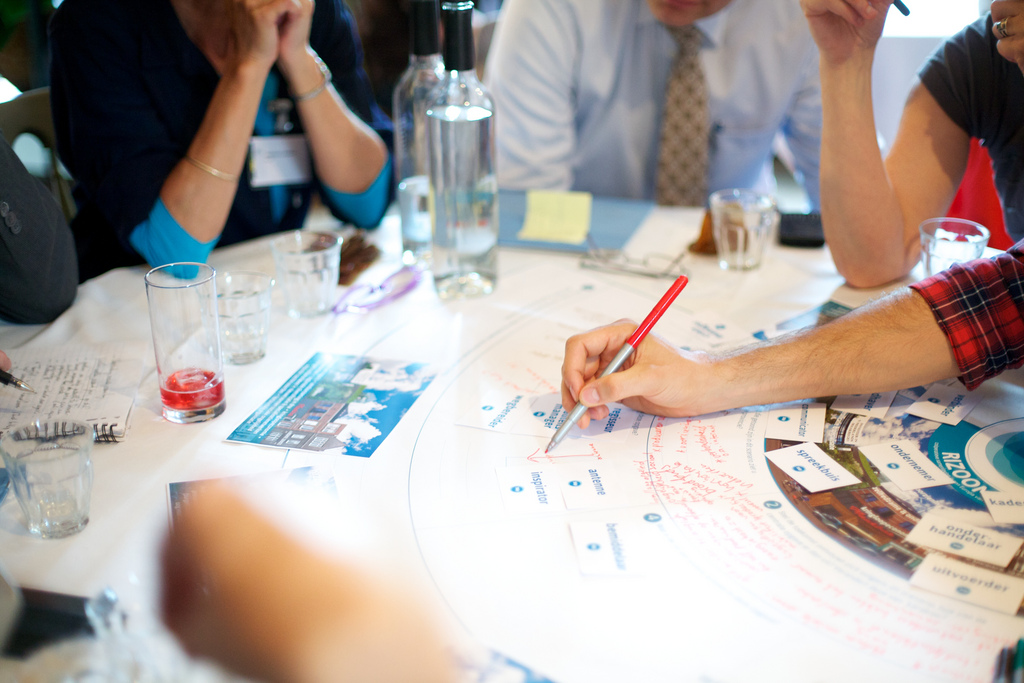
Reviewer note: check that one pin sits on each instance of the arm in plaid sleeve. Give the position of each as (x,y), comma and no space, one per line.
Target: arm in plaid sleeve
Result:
(980,307)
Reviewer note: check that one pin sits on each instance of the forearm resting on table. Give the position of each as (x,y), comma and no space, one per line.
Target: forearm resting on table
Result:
(860,212)
(892,343)
(199,200)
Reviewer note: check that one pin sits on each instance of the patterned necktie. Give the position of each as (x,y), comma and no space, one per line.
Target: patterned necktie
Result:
(683,159)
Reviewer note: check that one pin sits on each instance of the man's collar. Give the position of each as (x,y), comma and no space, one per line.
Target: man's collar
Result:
(712,27)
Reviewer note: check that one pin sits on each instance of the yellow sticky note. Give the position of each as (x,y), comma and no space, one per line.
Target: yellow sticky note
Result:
(556,217)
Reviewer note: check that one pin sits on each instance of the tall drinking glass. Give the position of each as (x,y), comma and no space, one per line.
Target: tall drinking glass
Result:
(186,339)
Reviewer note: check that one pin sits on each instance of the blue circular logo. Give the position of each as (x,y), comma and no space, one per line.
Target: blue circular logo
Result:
(783,418)
(772,504)
(539,414)
(893,466)
(934,400)
(487,408)
(517,489)
(652,517)
(963,590)
(593,546)
(574,483)
(956,545)
(798,468)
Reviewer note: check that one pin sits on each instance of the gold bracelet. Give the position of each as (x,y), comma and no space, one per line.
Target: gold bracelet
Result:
(230,177)
(325,78)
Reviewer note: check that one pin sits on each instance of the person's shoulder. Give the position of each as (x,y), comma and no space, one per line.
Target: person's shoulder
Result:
(87,18)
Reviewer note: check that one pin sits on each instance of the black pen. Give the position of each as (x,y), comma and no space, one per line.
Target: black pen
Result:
(9,379)
(904,10)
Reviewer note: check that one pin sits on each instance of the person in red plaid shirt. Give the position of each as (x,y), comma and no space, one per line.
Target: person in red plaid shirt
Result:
(965,322)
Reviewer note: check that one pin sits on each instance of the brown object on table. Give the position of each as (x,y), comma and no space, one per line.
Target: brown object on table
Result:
(356,256)
(705,243)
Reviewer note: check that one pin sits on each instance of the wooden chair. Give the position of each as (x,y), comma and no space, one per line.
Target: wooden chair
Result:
(29,114)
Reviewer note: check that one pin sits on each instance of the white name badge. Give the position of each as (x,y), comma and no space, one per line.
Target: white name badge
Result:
(976,585)
(905,464)
(965,540)
(279,160)
(869,405)
(1006,507)
(811,467)
(529,489)
(946,404)
(804,421)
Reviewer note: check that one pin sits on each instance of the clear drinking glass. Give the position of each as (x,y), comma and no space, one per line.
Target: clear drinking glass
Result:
(308,265)
(243,305)
(50,467)
(186,339)
(742,223)
(463,184)
(945,241)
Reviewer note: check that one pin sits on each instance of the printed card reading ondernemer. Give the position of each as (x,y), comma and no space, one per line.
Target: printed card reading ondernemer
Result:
(965,540)
(869,405)
(905,464)
(799,421)
(977,585)
(946,404)
(1006,507)
(812,467)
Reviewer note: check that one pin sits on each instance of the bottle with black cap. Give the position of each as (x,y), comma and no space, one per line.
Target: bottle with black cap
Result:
(409,114)
(463,184)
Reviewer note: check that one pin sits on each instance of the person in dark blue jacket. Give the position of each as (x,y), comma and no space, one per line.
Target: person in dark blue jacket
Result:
(193,123)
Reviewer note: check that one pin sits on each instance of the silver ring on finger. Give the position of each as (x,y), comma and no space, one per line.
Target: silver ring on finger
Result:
(1000,28)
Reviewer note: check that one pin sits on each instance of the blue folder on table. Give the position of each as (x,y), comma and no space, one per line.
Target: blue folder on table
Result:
(612,222)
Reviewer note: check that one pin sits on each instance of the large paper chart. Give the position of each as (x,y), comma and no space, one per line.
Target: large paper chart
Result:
(698,551)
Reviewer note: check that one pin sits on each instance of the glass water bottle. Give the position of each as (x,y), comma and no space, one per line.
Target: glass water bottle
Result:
(463,185)
(409,114)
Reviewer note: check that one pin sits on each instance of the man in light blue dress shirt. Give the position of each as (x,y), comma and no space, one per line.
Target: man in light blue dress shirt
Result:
(578,88)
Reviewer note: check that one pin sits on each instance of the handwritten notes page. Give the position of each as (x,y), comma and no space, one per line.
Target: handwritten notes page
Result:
(96,384)
(657,554)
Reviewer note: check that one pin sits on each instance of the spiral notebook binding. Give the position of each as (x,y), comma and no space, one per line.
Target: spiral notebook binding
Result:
(101,433)
(107,433)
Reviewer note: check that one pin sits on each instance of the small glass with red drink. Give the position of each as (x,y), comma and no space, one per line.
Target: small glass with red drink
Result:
(186,339)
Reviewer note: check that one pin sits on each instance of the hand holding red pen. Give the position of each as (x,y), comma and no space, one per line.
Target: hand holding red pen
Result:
(658,378)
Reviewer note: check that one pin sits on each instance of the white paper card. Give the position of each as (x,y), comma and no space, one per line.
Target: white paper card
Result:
(588,486)
(542,417)
(905,464)
(869,405)
(611,548)
(1006,507)
(945,404)
(616,427)
(528,489)
(279,160)
(965,540)
(812,467)
(962,581)
(803,421)
(496,413)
